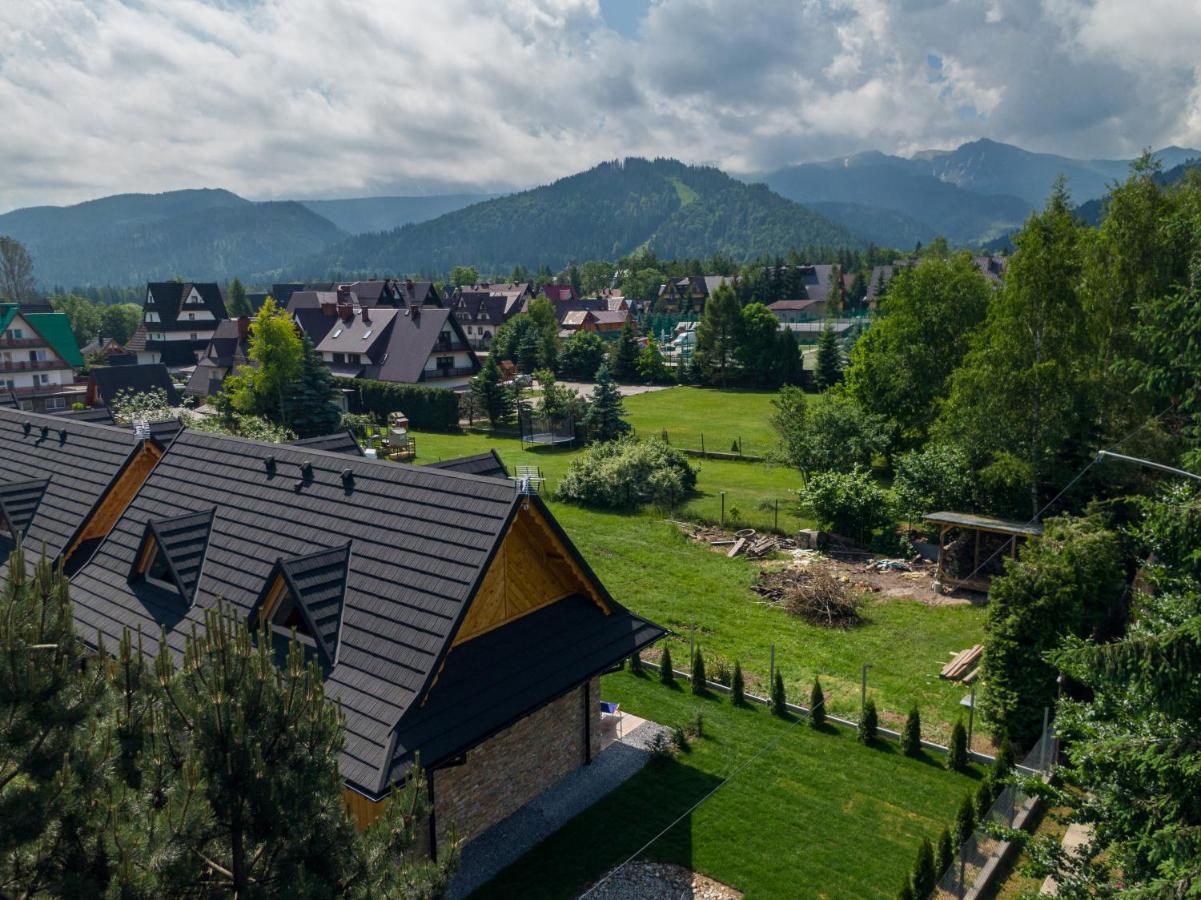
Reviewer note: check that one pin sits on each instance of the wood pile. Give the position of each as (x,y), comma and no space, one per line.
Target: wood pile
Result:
(964,665)
(815,595)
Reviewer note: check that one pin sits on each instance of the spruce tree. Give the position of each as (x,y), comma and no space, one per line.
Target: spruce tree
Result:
(957,755)
(985,794)
(699,683)
(605,409)
(623,355)
(965,820)
(817,705)
(788,364)
(717,334)
(313,396)
(911,736)
(829,360)
(924,877)
(239,304)
(869,722)
(779,703)
(737,686)
(666,675)
(944,854)
(494,398)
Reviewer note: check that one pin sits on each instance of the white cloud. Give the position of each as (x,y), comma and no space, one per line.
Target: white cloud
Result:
(274,98)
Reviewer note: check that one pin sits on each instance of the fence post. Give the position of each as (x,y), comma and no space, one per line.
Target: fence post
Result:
(771,678)
(776,522)
(740,445)
(971,718)
(692,646)
(702,445)
(723,509)
(1042,753)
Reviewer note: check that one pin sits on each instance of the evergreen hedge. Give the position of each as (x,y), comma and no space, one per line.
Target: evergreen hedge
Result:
(426,407)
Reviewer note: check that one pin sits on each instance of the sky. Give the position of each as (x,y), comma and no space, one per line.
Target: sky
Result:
(334,98)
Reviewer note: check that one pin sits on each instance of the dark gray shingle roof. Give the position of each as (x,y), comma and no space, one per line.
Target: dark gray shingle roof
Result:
(337,442)
(487,464)
(111,380)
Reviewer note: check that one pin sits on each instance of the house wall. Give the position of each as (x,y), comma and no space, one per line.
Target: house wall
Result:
(516,765)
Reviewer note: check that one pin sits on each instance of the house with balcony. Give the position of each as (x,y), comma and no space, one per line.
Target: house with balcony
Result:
(480,309)
(178,321)
(418,344)
(38,359)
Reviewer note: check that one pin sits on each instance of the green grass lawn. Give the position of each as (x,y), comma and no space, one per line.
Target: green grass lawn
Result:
(652,568)
(815,814)
(721,416)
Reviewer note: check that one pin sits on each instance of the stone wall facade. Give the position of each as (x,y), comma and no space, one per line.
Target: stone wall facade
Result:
(514,766)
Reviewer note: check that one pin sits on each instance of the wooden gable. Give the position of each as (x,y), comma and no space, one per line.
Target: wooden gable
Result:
(532,569)
(117,498)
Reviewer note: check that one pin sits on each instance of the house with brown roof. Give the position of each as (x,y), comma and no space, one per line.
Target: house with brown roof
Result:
(688,294)
(480,309)
(600,321)
(798,310)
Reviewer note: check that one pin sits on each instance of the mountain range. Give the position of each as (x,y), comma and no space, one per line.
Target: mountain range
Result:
(975,195)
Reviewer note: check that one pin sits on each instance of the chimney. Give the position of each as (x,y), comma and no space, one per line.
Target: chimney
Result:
(329,308)
(416,307)
(366,316)
(243,328)
(409,285)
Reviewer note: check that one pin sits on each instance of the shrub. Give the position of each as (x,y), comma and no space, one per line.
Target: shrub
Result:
(719,669)
(679,739)
(869,722)
(737,686)
(779,703)
(426,407)
(660,746)
(911,736)
(817,704)
(626,474)
(636,662)
(965,820)
(944,854)
(939,476)
(985,795)
(1002,764)
(696,728)
(957,756)
(924,877)
(699,687)
(666,675)
(829,432)
(849,503)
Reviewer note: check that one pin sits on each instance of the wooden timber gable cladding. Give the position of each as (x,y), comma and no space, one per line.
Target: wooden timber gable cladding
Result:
(445,607)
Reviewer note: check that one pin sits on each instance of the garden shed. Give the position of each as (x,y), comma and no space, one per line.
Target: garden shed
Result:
(977,549)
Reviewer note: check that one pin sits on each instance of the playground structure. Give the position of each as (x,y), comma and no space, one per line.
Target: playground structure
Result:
(546,431)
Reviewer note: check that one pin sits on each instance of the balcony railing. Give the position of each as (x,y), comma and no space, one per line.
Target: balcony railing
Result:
(447,372)
(30,365)
(43,390)
(21,342)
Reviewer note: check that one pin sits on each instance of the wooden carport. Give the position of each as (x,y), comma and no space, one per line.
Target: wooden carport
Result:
(977,524)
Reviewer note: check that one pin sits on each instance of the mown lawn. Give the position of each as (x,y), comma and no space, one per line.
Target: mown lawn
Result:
(807,814)
(721,416)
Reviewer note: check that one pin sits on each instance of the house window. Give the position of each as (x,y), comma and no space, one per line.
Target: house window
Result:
(43,378)
(192,316)
(446,362)
(353,358)
(193,336)
(56,403)
(339,358)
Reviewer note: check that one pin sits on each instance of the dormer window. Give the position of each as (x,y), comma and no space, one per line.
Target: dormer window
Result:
(304,596)
(171,556)
(19,502)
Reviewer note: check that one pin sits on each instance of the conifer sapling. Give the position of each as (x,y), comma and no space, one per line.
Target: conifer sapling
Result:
(817,705)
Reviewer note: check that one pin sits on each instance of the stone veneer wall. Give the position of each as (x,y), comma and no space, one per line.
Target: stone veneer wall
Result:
(514,766)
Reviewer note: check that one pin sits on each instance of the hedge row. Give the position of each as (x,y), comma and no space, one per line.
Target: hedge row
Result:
(426,407)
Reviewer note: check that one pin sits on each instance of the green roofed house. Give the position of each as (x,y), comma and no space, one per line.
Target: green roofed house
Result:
(38,359)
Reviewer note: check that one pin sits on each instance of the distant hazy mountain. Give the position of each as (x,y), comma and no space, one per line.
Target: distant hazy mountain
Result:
(1093,211)
(674,209)
(894,203)
(196,234)
(363,214)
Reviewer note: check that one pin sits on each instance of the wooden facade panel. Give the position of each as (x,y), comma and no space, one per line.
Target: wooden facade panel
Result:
(101,522)
(362,811)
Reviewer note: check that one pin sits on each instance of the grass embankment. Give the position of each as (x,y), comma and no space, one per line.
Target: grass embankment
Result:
(652,568)
(808,813)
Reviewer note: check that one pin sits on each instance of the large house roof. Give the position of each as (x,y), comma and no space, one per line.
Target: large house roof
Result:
(53,327)
(420,541)
(61,467)
(169,299)
(488,464)
(111,380)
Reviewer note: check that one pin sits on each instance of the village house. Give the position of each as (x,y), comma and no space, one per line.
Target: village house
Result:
(226,352)
(688,294)
(106,383)
(788,311)
(480,309)
(178,320)
(38,359)
(603,322)
(559,293)
(108,349)
(453,618)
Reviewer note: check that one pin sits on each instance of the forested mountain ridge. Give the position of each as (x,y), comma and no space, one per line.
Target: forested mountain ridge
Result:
(133,238)
(610,210)
(359,215)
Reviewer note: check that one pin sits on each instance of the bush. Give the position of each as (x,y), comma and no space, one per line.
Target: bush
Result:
(696,728)
(636,662)
(957,755)
(737,686)
(937,477)
(626,474)
(666,675)
(924,877)
(829,432)
(660,746)
(779,703)
(426,407)
(679,739)
(719,669)
(985,795)
(849,503)
(911,736)
(944,854)
(817,704)
(869,722)
(699,687)
(965,820)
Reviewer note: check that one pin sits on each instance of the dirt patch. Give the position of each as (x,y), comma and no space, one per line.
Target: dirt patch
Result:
(659,881)
(813,593)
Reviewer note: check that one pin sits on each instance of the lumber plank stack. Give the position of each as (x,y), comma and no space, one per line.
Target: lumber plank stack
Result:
(963,663)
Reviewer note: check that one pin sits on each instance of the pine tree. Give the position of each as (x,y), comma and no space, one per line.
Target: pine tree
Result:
(312,397)
(494,398)
(924,877)
(965,820)
(829,360)
(911,736)
(717,334)
(623,356)
(605,409)
(737,686)
(985,795)
(239,304)
(957,755)
(869,722)
(944,854)
(779,703)
(666,675)
(699,684)
(817,705)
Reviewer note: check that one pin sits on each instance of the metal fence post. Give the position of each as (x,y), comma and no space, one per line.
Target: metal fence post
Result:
(723,509)
(771,678)
(1042,741)
(971,719)
(776,523)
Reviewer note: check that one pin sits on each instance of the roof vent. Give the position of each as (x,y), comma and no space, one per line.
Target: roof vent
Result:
(45,431)
(306,469)
(27,427)
(141,430)
(269,462)
(347,477)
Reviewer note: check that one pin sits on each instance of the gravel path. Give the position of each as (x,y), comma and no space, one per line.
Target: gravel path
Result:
(661,881)
(513,837)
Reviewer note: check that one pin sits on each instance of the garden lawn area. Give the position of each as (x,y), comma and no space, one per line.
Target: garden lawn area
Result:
(722,416)
(652,568)
(807,813)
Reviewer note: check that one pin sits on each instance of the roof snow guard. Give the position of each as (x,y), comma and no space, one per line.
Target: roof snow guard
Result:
(18,502)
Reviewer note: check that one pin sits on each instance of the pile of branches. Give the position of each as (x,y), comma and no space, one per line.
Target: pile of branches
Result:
(815,595)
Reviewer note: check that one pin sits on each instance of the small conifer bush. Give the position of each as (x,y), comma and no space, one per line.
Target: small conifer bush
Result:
(666,675)
(957,756)
(911,737)
(817,704)
(737,686)
(924,877)
(965,820)
(779,703)
(699,682)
